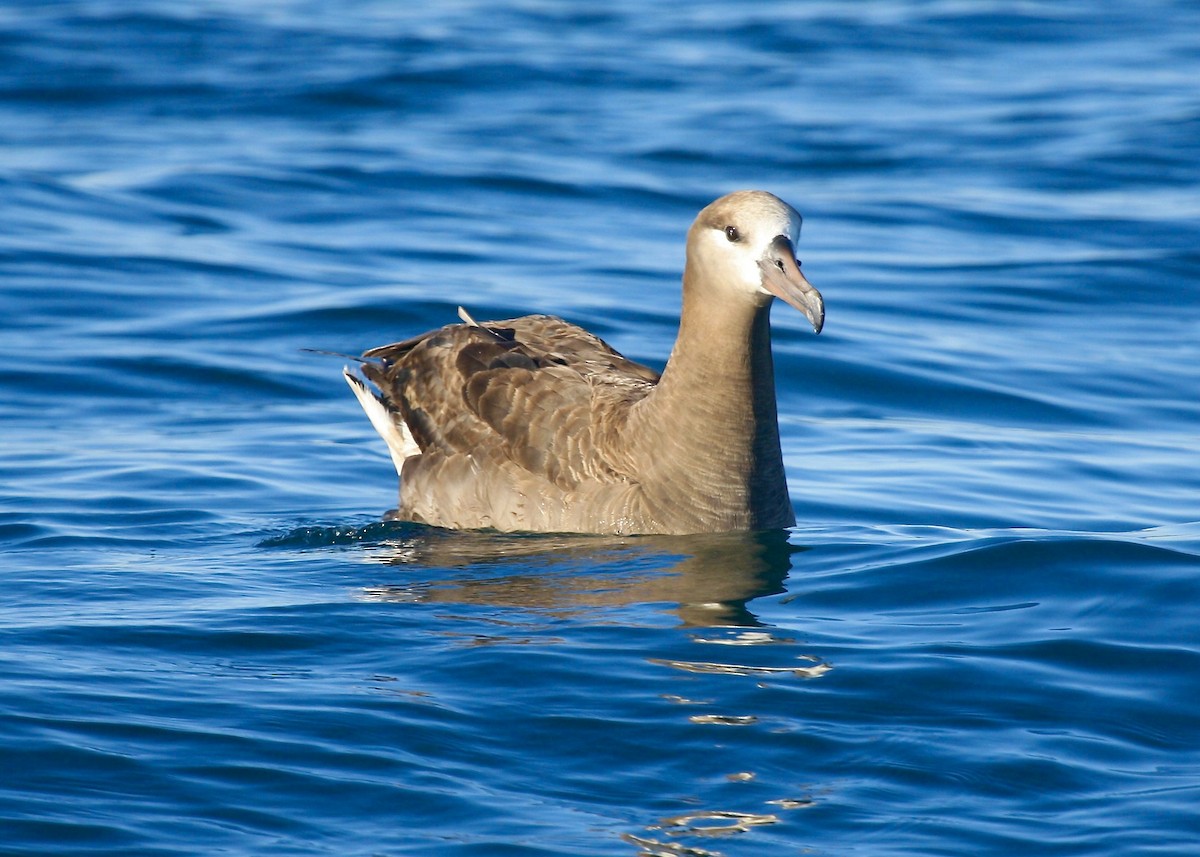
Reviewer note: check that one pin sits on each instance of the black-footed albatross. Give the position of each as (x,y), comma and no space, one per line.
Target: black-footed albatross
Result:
(535,424)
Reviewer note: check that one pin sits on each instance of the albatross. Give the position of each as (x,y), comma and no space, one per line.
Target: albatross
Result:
(535,424)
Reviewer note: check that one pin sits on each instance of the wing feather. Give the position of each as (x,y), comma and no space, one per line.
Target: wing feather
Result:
(537,391)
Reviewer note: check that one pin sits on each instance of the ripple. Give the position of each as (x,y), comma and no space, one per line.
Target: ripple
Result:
(819,669)
(317,536)
(723,719)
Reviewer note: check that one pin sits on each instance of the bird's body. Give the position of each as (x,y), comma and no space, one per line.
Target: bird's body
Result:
(535,424)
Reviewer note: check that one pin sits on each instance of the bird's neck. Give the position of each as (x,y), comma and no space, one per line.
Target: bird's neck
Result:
(715,424)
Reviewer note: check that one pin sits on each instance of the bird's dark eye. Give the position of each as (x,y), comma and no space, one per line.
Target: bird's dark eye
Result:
(731,232)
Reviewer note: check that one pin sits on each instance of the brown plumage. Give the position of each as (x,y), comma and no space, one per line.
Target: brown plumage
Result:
(535,424)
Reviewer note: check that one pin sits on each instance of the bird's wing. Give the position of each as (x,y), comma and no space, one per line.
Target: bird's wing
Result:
(537,391)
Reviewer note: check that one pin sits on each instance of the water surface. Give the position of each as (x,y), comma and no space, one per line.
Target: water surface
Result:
(979,639)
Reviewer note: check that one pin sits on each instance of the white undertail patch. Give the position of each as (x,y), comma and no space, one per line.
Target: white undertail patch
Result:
(391,428)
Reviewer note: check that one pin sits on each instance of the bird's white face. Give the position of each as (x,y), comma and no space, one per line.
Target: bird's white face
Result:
(746,241)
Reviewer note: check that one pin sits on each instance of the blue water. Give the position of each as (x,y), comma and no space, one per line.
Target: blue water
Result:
(980,639)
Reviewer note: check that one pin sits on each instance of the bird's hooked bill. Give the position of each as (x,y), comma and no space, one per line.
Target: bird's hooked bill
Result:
(781,276)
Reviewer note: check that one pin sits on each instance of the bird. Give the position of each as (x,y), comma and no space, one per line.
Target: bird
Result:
(535,424)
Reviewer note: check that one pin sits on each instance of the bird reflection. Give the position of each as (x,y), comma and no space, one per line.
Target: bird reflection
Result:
(707,580)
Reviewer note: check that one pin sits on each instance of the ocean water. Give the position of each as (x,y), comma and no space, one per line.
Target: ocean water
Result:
(981,637)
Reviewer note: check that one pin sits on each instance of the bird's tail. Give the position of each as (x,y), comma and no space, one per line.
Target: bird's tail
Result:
(387,421)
